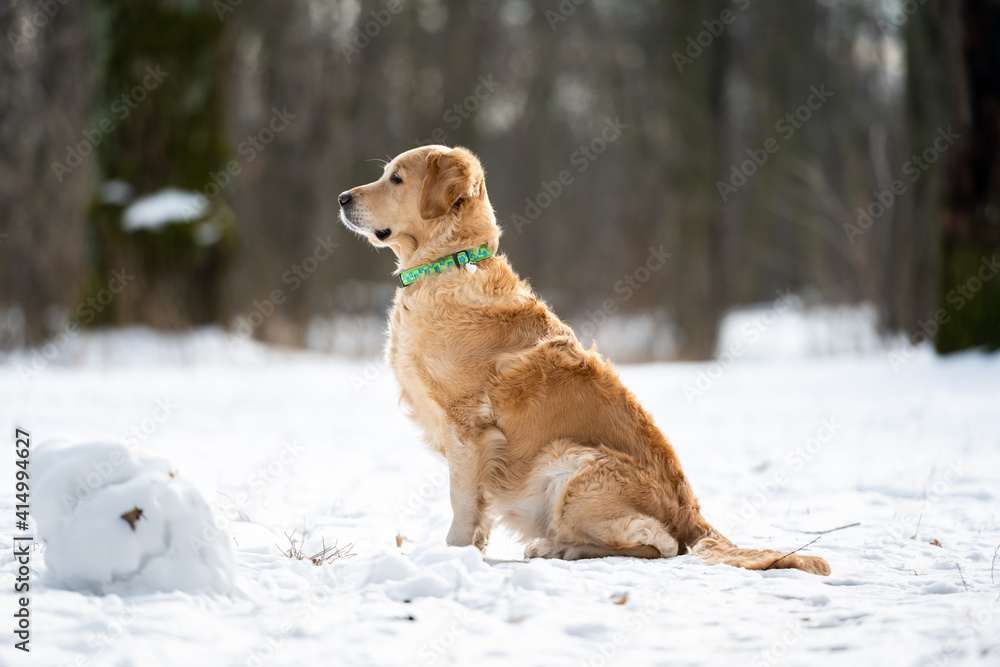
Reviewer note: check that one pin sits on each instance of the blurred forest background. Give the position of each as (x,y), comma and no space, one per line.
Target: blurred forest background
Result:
(848,151)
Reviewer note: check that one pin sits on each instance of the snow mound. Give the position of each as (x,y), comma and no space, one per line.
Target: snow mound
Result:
(117,521)
(166,206)
(430,572)
(788,330)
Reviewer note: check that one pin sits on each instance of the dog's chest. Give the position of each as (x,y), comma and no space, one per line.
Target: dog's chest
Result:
(429,352)
(418,370)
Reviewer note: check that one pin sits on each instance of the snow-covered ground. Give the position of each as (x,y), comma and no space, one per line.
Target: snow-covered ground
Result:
(907,447)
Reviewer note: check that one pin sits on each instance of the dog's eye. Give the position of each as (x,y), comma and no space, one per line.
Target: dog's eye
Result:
(395,178)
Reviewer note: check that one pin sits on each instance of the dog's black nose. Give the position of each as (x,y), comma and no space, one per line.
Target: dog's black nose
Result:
(345,198)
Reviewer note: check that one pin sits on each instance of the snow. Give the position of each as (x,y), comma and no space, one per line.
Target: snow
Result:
(787,329)
(117,520)
(305,444)
(163,207)
(115,192)
(208,233)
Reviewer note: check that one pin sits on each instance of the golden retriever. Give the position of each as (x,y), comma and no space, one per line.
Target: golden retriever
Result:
(538,431)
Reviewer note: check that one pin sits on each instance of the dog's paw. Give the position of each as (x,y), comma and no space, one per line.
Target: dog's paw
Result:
(481,540)
(458,537)
(539,548)
(812,565)
(478,537)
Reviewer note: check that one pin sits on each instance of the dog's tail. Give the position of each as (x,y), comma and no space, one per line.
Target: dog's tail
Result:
(713,548)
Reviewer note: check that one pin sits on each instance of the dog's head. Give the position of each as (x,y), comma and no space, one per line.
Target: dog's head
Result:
(430,202)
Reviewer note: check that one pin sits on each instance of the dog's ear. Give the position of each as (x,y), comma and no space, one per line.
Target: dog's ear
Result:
(451,177)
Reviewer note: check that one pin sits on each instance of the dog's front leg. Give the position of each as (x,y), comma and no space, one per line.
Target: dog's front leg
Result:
(475,437)
(470,522)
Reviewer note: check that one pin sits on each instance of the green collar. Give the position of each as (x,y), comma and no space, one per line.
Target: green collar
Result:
(459,259)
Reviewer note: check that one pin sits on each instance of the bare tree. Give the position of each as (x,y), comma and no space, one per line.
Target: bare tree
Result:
(45,87)
(969,294)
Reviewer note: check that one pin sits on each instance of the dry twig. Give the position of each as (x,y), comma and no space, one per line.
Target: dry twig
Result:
(824,532)
(789,554)
(323,555)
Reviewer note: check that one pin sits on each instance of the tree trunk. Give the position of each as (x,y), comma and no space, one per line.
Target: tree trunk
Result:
(44,96)
(160,113)
(969,298)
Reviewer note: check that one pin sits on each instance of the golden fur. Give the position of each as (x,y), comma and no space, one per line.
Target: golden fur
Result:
(537,430)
